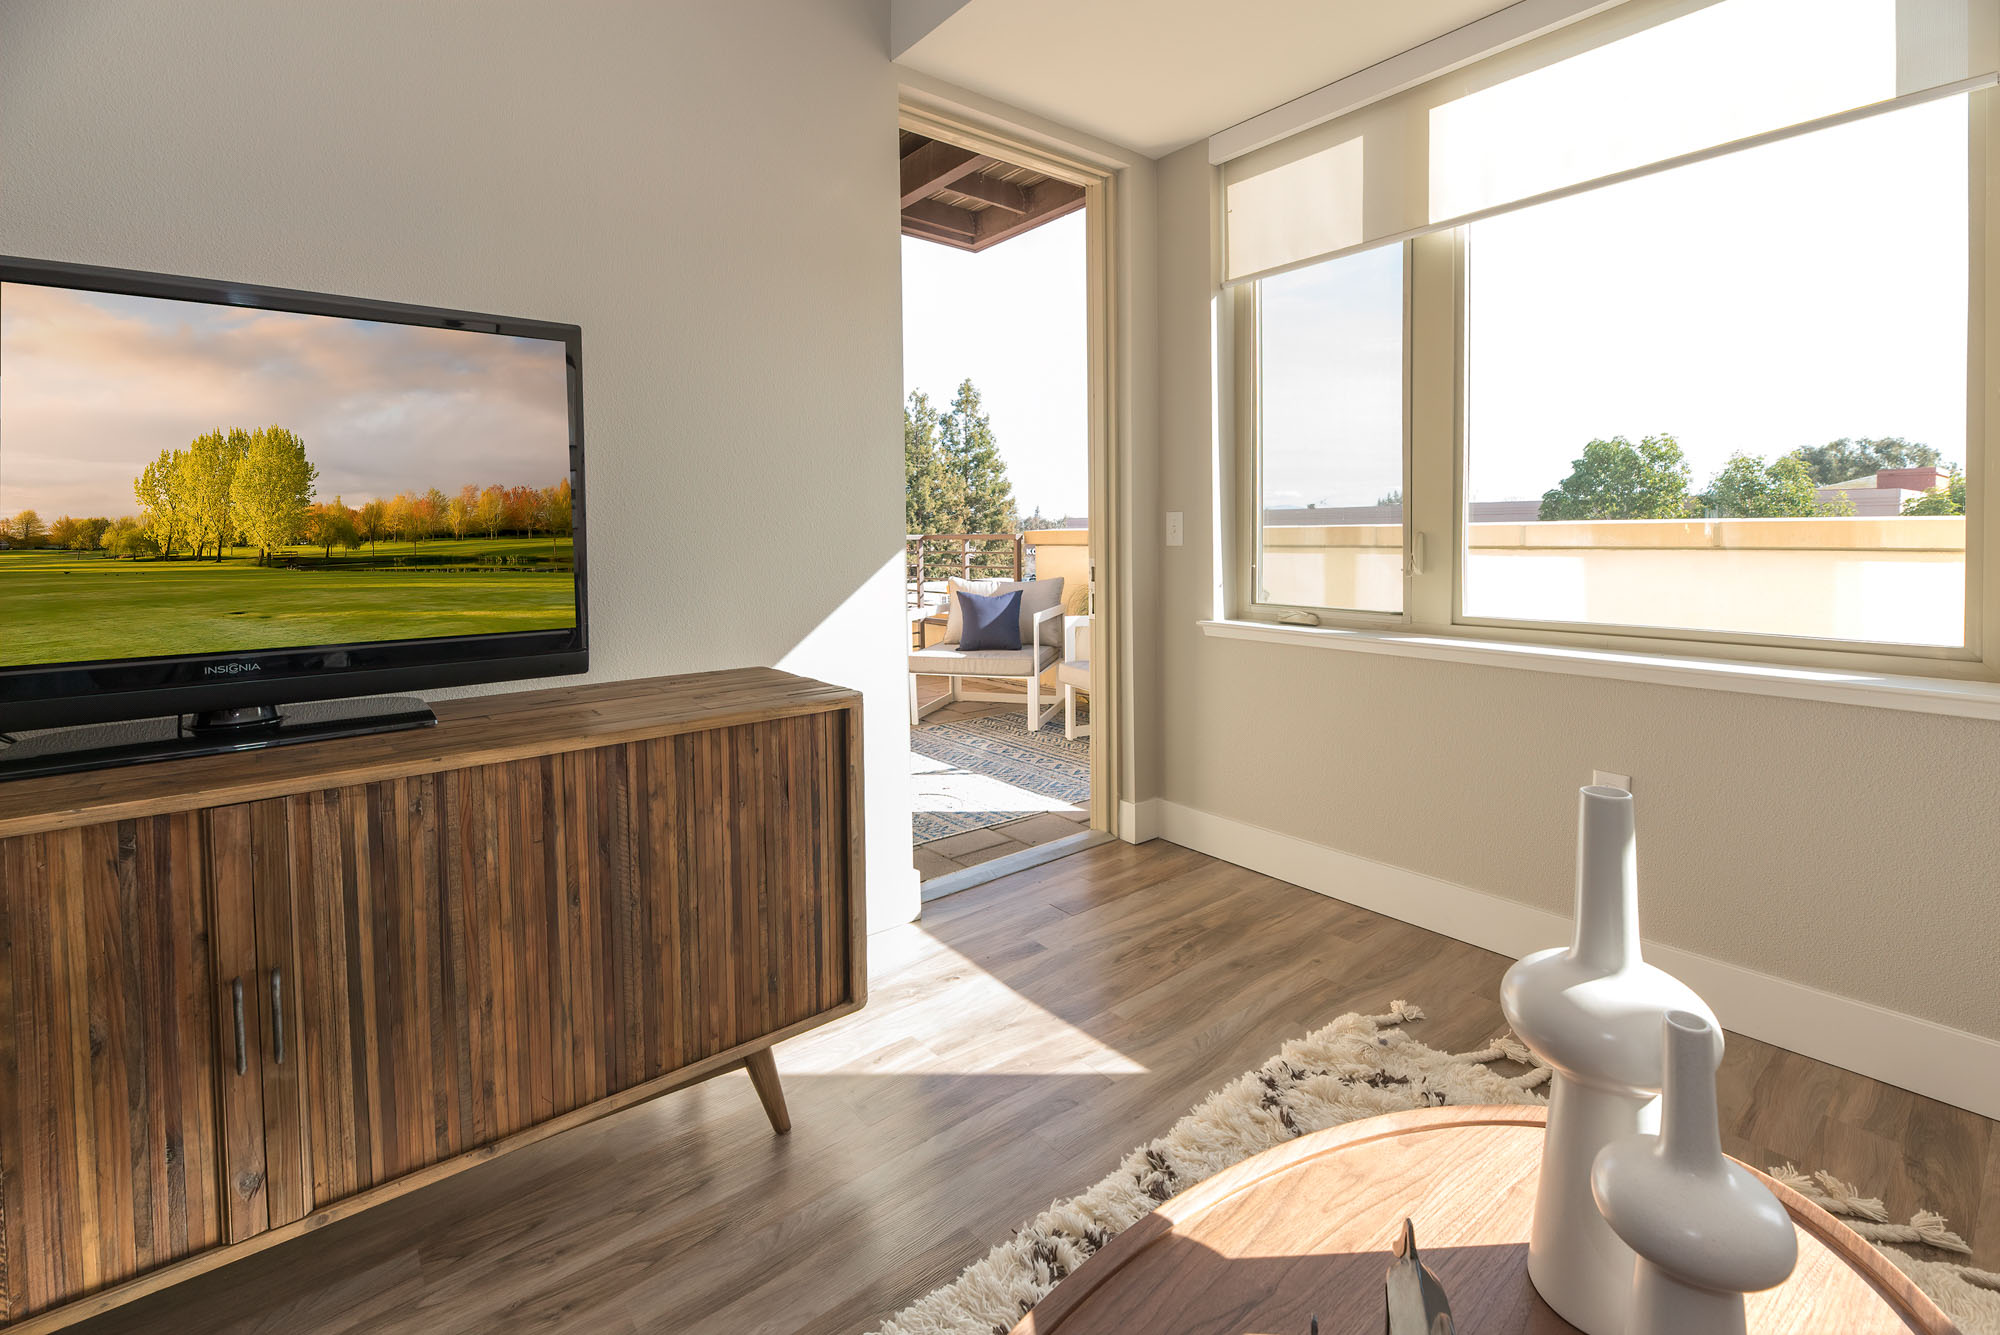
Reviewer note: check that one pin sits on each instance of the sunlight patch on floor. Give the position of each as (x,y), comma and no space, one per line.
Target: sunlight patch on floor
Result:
(941,787)
(994,1029)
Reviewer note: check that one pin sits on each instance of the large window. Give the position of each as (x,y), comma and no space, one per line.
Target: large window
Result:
(1703,400)
(1724,396)
(1330,419)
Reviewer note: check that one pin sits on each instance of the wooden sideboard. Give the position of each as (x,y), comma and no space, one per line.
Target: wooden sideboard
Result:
(242,996)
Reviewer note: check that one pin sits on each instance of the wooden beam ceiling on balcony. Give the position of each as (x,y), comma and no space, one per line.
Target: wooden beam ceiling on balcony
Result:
(993,191)
(1047,202)
(934,166)
(957,197)
(940,222)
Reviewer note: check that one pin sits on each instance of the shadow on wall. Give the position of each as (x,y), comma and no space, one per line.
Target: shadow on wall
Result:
(857,641)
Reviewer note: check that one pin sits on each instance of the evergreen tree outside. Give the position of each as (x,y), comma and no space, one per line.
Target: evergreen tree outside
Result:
(966,434)
(955,480)
(933,496)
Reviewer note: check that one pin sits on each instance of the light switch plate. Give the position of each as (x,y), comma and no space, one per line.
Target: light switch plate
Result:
(1601,778)
(1175,532)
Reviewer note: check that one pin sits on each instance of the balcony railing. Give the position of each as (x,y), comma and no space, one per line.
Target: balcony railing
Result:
(932,558)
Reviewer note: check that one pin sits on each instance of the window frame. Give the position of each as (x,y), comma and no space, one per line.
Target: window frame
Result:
(1247,321)
(1437,454)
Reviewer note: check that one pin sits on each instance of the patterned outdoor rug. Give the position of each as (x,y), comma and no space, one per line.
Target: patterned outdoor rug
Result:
(1356,1067)
(968,774)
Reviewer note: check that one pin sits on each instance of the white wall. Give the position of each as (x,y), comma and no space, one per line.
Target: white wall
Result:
(707,189)
(1854,851)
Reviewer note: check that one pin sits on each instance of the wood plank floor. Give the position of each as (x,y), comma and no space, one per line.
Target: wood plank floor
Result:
(1018,1041)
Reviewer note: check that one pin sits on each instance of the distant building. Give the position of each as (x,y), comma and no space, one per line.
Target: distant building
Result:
(1885,491)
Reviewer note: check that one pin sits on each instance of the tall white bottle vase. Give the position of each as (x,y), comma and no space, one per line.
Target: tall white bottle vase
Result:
(1706,1230)
(1592,1012)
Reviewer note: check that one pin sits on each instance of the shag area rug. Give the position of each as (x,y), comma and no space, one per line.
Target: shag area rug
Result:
(1356,1067)
(971,773)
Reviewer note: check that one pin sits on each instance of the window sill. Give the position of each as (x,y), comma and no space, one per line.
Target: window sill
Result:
(1924,695)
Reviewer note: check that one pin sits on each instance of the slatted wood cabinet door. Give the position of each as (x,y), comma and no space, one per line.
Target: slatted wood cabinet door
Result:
(698,898)
(108,1120)
(381,998)
(266,1178)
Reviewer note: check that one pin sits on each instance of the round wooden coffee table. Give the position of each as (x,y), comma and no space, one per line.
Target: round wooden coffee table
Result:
(1305,1230)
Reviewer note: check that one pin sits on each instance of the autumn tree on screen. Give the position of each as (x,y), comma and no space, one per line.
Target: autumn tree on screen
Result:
(272,488)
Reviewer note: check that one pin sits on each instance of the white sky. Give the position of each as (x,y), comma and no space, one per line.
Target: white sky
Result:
(1012,319)
(1782,296)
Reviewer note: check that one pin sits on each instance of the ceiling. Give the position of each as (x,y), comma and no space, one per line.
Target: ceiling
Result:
(967,200)
(1157,75)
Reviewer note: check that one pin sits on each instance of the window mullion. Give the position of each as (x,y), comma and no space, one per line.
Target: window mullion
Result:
(1432,418)
(1982,423)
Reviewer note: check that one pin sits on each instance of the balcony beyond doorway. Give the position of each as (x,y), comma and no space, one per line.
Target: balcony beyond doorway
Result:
(983,790)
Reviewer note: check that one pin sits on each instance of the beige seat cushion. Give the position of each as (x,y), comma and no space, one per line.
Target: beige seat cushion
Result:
(947,660)
(1074,672)
(1037,595)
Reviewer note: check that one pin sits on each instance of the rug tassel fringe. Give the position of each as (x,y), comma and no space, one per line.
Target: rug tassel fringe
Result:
(1505,1047)
(1399,1012)
(1866,1215)
(1501,1047)
(1980,1279)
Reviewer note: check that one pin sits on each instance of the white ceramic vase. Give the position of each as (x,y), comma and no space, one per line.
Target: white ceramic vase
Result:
(1706,1230)
(1593,1013)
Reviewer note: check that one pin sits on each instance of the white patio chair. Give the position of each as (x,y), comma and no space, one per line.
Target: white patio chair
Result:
(1074,674)
(1041,631)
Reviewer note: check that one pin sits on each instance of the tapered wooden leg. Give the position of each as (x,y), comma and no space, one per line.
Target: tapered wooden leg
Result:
(764,1077)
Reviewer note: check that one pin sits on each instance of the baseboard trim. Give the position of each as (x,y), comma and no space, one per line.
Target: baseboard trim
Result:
(913,887)
(1919,1055)
(1139,822)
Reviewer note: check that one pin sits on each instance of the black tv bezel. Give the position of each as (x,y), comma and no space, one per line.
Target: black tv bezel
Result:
(36,696)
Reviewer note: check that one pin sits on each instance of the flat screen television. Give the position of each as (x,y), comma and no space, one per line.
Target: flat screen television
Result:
(217,498)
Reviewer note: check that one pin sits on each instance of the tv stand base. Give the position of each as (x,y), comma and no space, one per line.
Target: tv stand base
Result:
(218,732)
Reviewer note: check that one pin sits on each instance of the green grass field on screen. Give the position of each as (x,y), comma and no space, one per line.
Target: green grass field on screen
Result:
(72,607)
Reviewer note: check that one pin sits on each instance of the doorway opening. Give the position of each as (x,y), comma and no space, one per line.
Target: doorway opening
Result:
(998,475)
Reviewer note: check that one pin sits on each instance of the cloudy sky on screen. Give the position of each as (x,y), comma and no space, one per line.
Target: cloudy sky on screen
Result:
(93,385)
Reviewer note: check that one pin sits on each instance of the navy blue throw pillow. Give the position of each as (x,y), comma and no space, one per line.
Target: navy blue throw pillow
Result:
(991,620)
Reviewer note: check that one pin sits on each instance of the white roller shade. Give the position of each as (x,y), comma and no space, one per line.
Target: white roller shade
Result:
(1649,82)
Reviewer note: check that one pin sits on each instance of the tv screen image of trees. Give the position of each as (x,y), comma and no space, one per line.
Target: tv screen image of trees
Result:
(182,478)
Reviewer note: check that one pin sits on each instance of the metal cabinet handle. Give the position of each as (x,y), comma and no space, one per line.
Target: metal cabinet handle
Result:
(278,1014)
(236,1004)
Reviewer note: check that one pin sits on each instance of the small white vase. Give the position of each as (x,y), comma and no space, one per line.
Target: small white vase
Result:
(1706,1230)
(1592,1012)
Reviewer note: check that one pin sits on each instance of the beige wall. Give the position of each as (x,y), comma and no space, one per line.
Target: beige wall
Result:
(1064,554)
(707,188)
(1854,850)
